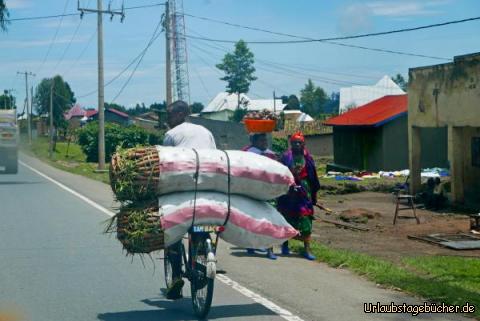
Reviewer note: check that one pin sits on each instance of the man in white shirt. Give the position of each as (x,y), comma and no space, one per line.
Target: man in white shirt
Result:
(182,134)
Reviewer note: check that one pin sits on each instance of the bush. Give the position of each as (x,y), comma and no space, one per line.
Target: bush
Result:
(279,145)
(115,136)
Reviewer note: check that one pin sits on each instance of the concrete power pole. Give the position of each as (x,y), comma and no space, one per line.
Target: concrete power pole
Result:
(101,86)
(168,69)
(27,100)
(50,114)
(31,111)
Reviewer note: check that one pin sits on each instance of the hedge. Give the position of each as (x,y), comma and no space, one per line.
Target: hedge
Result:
(115,136)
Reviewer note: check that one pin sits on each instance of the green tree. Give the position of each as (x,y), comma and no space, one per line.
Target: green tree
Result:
(161,110)
(292,103)
(401,82)
(238,68)
(4,14)
(63,99)
(196,108)
(313,99)
(7,100)
(332,104)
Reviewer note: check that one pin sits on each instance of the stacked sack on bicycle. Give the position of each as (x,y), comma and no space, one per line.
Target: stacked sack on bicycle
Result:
(164,190)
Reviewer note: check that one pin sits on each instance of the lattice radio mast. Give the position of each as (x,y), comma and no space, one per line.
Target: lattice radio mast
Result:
(179,58)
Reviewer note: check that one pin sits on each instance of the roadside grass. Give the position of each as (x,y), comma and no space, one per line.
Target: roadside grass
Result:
(73,162)
(449,280)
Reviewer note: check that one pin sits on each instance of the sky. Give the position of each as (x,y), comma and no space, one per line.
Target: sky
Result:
(68,46)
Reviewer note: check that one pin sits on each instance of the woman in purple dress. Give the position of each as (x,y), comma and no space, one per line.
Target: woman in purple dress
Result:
(297,205)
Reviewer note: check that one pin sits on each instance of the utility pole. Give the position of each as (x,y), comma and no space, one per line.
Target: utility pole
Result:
(31,112)
(50,114)
(29,121)
(168,69)
(101,96)
(274,103)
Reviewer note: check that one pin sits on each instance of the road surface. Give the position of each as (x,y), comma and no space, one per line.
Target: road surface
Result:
(55,264)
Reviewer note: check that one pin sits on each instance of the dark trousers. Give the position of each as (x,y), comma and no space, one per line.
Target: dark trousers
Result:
(175,258)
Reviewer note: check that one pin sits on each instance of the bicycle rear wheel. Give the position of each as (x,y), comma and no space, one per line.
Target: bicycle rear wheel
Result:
(167,265)
(202,262)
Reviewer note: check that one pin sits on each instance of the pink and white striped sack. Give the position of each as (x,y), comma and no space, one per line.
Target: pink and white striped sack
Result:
(252,175)
(252,223)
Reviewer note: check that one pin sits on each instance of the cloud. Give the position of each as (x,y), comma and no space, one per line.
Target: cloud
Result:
(357,17)
(19,4)
(15,44)
(405,8)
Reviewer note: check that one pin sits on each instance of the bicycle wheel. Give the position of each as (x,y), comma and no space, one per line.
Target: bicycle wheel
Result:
(202,262)
(167,265)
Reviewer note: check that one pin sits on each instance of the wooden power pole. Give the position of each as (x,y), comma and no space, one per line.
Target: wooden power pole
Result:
(101,96)
(27,101)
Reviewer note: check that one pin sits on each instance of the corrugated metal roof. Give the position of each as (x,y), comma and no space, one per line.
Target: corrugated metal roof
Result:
(375,113)
(356,96)
(226,101)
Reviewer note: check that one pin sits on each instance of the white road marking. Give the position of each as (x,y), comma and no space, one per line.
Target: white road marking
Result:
(71,191)
(285,314)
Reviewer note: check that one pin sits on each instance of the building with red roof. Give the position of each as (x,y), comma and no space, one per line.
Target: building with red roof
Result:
(111,115)
(374,137)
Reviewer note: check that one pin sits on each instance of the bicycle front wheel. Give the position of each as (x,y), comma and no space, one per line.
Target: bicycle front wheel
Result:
(203,267)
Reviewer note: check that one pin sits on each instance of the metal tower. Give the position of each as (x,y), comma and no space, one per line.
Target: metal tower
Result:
(179,58)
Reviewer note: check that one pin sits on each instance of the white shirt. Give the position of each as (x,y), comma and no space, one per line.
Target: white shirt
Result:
(190,136)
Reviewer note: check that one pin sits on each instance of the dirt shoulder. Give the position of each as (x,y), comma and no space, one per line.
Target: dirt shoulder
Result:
(384,239)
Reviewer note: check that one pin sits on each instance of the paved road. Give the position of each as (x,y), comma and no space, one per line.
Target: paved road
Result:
(55,264)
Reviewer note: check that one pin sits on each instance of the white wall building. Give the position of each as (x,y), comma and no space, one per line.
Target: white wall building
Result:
(355,96)
(224,104)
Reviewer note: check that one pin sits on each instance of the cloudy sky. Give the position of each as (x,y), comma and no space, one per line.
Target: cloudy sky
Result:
(68,46)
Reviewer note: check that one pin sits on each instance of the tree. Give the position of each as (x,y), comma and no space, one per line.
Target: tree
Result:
(63,99)
(4,14)
(161,110)
(313,99)
(292,103)
(401,82)
(332,104)
(238,68)
(196,108)
(7,101)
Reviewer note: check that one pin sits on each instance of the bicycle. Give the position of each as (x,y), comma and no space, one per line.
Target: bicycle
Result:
(199,266)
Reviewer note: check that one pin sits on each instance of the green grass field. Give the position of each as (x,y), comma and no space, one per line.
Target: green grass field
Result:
(441,279)
(67,157)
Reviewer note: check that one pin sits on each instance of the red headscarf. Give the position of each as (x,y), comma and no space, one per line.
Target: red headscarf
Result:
(297,136)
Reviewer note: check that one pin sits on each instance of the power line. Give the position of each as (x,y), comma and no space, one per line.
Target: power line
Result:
(71,41)
(225,50)
(327,42)
(338,38)
(54,37)
(77,14)
(289,70)
(89,42)
(121,72)
(154,37)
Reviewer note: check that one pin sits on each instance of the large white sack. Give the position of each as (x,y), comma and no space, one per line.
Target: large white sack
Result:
(252,223)
(252,175)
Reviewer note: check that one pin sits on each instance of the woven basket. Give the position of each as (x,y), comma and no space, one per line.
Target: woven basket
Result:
(146,242)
